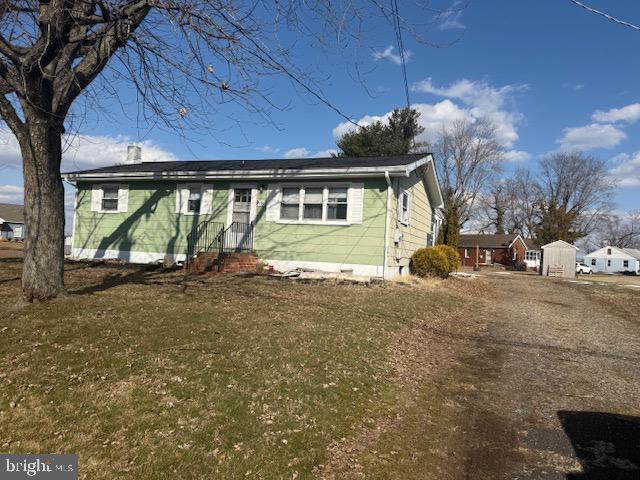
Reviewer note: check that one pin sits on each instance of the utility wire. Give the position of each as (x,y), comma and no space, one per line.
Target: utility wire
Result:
(398,30)
(606,15)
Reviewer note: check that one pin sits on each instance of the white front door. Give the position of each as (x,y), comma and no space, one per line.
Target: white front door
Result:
(487,257)
(242,216)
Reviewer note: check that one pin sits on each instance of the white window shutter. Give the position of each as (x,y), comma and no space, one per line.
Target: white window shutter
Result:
(273,203)
(206,201)
(96,198)
(123,198)
(356,202)
(182,197)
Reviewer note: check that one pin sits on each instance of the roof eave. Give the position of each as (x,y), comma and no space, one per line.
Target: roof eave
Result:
(393,170)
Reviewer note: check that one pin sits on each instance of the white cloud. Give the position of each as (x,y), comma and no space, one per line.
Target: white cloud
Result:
(11,194)
(474,100)
(267,149)
(627,169)
(516,156)
(331,152)
(482,101)
(299,152)
(451,18)
(590,137)
(86,151)
(389,54)
(629,113)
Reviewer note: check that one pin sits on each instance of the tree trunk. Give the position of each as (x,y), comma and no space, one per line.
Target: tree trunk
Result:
(43,268)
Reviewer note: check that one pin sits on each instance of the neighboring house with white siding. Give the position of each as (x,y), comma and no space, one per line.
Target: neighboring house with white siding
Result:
(614,260)
(366,215)
(12,221)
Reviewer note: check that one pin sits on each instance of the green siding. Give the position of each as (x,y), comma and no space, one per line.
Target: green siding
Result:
(152,225)
(414,236)
(359,243)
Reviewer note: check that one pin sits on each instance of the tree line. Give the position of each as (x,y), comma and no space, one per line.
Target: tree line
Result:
(564,195)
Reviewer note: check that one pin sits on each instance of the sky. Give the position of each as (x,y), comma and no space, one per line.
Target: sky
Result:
(550,75)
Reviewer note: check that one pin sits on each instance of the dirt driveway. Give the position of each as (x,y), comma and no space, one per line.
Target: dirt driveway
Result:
(542,381)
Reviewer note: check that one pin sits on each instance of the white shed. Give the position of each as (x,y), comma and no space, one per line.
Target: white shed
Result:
(559,259)
(614,260)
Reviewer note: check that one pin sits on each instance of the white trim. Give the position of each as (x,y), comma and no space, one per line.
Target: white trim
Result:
(561,242)
(253,209)
(358,269)
(127,256)
(514,241)
(325,188)
(393,170)
(75,216)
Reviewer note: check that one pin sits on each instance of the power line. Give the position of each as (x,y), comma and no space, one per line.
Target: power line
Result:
(605,15)
(403,61)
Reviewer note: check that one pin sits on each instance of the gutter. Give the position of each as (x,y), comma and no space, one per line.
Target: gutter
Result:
(385,262)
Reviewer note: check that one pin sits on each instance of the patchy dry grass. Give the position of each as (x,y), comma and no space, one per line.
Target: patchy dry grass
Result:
(147,375)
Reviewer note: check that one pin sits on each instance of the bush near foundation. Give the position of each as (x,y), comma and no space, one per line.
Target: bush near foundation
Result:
(437,261)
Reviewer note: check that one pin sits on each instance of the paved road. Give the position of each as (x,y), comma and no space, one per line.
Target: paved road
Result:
(550,386)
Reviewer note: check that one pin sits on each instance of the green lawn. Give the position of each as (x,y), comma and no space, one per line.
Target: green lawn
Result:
(144,374)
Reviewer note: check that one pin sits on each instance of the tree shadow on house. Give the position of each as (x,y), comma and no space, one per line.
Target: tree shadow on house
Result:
(607,445)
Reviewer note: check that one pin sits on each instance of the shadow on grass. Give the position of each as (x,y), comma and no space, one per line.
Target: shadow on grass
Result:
(138,275)
(607,445)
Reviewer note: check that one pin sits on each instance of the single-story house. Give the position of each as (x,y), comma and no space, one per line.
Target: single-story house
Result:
(365,215)
(503,249)
(559,259)
(614,260)
(12,221)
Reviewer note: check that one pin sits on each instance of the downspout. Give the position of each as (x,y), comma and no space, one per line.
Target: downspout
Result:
(385,262)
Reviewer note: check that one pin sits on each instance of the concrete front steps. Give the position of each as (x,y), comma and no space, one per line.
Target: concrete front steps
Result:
(232,262)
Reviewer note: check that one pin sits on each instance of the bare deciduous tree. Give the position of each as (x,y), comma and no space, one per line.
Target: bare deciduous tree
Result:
(468,159)
(177,56)
(571,192)
(618,230)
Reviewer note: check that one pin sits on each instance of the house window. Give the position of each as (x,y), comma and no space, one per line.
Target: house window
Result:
(404,207)
(195,197)
(466,253)
(290,206)
(532,255)
(110,198)
(337,204)
(312,204)
(593,262)
(608,251)
(515,254)
(625,263)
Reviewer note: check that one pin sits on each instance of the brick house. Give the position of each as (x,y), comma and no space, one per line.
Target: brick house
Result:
(507,249)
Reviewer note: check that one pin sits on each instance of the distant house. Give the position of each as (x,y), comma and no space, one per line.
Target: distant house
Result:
(364,215)
(614,260)
(507,249)
(12,221)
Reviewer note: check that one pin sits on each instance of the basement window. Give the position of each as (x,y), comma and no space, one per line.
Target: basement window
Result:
(110,198)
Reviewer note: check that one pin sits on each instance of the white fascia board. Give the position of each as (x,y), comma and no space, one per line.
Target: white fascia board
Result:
(514,241)
(395,170)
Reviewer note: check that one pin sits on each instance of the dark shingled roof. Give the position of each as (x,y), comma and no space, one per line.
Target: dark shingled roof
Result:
(486,241)
(10,212)
(531,244)
(275,164)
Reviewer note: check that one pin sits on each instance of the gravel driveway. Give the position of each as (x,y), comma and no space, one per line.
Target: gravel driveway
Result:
(550,386)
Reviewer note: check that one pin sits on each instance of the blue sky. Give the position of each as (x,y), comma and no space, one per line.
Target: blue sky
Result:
(548,73)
